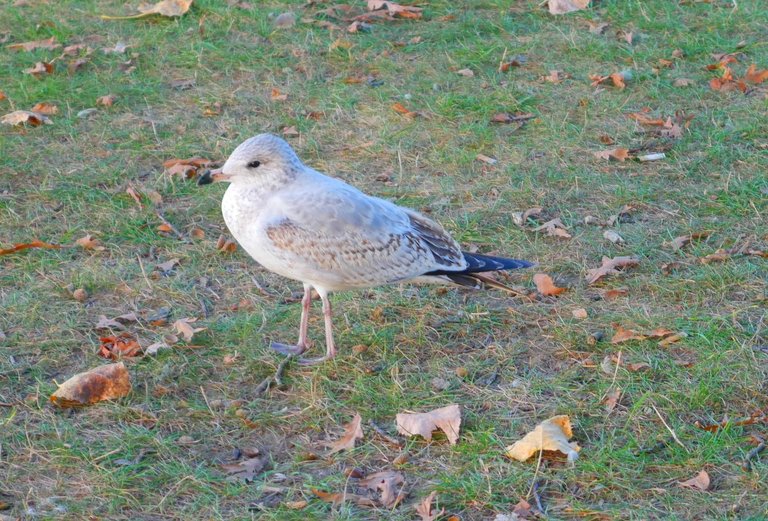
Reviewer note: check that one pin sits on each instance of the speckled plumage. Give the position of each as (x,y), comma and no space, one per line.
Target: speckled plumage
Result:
(325,233)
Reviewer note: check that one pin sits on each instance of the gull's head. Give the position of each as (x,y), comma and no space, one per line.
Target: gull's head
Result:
(255,159)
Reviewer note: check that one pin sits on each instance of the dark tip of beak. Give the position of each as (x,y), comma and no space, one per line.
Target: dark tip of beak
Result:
(205,179)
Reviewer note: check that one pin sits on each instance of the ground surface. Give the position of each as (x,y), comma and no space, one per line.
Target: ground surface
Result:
(509,362)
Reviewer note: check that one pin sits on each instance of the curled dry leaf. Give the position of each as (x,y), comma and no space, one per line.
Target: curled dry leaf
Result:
(551,434)
(389,483)
(48,109)
(566,6)
(546,286)
(624,335)
(401,109)
(40,69)
(276,95)
(613,236)
(124,345)
(447,419)
(683,82)
(424,509)
(352,431)
(610,267)
(579,313)
(679,243)
(28,245)
(338,498)
(184,327)
(618,79)
(468,73)
(555,76)
(488,160)
(291,131)
(245,470)
(615,154)
(521,218)
(22,117)
(517,117)
(90,243)
(48,44)
(166,267)
(186,168)
(612,399)
(700,481)
(754,76)
(106,101)
(106,382)
(170,8)
(719,256)
(393,9)
(554,228)
(226,245)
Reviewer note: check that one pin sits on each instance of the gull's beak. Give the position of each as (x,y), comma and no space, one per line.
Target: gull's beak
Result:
(212,176)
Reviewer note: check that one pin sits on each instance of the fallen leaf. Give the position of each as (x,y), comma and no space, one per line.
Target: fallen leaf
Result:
(186,168)
(90,243)
(660,332)
(566,6)
(617,78)
(226,245)
(447,419)
(616,154)
(170,8)
(682,241)
(610,267)
(106,101)
(108,323)
(285,20)
(40,69)
(612,294)
(48,44)
(123,346)
(352,432)
(401,109)
(393,9)
(598,27)
(699,481)
(554,228)
(624,335)
(197,233)
(613,236)
(185,329)
(119,48)
(546,286)
(424,509)
(556,76)
(486,159)
(389,483)
(754,76)
(80,295)
(245,470)
(28,245)
(612,399)
(671,339)
(20,117)
(637,366)
(466,72)
(277,95)
(290,131)
(338,498)
(166,267)
(579,313)
(135,196)
(683,82)
(45,108)
(106,382)
(505,117)
(551,434)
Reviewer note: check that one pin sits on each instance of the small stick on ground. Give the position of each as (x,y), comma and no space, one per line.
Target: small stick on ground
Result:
(276,378)
(176,232)
(674,436)
(383,434)
(753,454)
(536,497)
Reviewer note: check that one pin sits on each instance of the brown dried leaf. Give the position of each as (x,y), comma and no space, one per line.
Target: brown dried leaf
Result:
(518,117)
(616,154)
(424,509)
(683,82)
(551,434)
(185,168)
(48,44)
(45,108)
(276,95)
(719,256)
(546,286)
(185,329)
(754,76)
(554,228)
(40,69)
(447,419)
(579,313)
(610,267)
(598,27)
(226,245)
(27,245)
(672,339)
(389,483)
(170,8)
(245,470)
(90,243)
(624,335)
(124,345)
(679,243)
(352,431)
(106,382)
(612,399)
(401,109)
(167,266)
(394,10)
(20,117)
(291,131)
(566,6)
(612,294)
(486,159)
(338,498)
(106,101)
(700,481)
(555,76)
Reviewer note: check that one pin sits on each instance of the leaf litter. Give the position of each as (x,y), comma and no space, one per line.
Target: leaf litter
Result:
(550,435)
(106,382)
(446,419)
(352,432)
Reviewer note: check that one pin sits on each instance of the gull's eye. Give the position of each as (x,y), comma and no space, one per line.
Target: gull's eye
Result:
(254,164)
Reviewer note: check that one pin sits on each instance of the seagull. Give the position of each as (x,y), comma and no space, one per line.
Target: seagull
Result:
(330,236)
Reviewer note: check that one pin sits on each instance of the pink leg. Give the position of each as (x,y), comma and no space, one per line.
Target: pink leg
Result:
(330,346)
(301,346)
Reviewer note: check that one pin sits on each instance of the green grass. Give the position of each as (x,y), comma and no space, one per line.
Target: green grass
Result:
(63,181)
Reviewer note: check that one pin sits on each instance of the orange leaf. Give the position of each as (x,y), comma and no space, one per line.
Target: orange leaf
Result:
(277,95)
(616,154)
(49,44)
(352,432)
(618,80)
(20,117)
(623,335)
(546,286)
(28,245)
(755,76)
(45,108)
(106,382)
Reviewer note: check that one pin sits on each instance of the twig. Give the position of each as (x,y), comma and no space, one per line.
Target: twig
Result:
(276,378)
(672,432)
(261,288)
(753,454)
(146,279)
(176,232)
(501,63)
(383,434)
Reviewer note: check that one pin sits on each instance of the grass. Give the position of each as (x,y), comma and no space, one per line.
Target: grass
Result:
(60,182)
